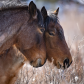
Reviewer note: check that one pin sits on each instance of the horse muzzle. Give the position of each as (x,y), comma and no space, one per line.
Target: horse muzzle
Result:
(65,64)
(37,63)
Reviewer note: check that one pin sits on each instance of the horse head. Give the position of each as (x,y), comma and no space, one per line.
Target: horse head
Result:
(30,39)
(56,45)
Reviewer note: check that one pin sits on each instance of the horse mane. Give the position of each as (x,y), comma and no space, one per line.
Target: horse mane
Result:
(21,6)
(8,7)
(11,5)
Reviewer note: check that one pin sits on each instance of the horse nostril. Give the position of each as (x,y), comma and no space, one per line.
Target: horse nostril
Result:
(39,63)
(66,63)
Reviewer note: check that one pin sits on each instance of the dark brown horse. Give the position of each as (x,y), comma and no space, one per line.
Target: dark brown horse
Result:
(21,39)
(56,46)
(23,27)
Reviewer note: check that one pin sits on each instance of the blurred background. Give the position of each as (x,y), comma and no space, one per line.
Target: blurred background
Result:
(71,17)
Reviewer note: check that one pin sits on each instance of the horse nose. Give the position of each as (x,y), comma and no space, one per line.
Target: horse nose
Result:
(66,63)
(38,63)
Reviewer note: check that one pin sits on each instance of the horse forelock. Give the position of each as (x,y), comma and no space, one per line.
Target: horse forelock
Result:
(52,17)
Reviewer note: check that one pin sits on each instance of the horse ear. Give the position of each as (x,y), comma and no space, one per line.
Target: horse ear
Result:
(33,10)
(44,12)
(56,11)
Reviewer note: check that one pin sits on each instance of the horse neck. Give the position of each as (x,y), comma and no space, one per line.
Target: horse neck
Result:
(7,45)
(14,55)
(10,25)
(11,61)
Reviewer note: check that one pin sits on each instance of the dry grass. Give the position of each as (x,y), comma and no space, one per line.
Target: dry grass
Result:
(48,74)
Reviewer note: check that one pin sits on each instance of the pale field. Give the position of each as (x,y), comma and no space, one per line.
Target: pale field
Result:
(72,21)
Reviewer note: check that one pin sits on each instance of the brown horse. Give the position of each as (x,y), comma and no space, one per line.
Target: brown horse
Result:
(23,27)
(56,46)
(21,31)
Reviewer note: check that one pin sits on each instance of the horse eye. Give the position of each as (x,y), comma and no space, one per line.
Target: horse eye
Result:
(60,33)
(42,30)
(51,33)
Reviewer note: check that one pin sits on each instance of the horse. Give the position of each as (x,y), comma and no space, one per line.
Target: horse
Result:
(57,50)
(23,27)
(21,40)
